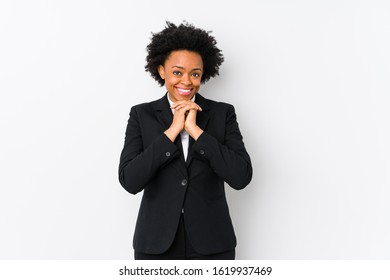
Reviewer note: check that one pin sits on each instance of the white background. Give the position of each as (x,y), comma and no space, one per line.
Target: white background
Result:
(310,84)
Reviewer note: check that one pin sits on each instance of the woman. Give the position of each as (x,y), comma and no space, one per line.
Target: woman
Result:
(180,150)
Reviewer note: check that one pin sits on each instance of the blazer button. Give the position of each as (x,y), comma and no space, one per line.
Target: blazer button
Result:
(184,182)
(168,154)
(201,152)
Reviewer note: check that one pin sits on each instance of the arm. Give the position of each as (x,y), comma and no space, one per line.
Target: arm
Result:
(229,160)
(138,165)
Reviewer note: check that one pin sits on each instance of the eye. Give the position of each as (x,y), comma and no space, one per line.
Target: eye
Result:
(176,73)
(197,75)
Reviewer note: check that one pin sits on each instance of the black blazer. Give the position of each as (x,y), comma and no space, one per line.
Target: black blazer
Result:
(152,163)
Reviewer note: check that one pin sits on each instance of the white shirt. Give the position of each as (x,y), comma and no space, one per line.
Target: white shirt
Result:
(185,137)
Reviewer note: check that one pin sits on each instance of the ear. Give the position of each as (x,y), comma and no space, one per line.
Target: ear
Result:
(161,71)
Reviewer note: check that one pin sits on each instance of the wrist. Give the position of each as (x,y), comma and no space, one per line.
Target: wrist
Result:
(172,133)
(194,132)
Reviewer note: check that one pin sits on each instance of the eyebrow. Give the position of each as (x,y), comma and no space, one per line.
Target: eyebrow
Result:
(181,67)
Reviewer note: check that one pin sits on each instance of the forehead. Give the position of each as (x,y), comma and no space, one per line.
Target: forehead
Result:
(184,58)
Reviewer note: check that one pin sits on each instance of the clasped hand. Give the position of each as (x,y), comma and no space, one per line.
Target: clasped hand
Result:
(184,117)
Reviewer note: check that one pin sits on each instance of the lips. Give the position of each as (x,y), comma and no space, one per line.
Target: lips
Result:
(184,91)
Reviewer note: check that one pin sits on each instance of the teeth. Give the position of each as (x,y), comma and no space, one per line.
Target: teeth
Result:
(183,90)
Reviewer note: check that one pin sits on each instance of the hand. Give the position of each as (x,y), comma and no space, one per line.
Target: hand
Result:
(182,109)
(190,125)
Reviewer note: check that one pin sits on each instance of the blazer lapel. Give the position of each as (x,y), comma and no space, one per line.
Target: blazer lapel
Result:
(202,119)
(163,112)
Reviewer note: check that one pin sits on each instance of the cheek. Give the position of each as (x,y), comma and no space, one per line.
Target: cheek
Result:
(171,80)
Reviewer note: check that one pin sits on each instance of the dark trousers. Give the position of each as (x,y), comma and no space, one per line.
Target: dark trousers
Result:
(181,249)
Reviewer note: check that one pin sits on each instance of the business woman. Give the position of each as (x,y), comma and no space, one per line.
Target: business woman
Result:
(179,150)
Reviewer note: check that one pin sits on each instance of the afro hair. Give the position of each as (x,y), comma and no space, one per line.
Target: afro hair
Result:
(183,37)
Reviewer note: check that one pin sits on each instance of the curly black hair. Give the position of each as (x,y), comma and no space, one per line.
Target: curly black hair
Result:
(183,37)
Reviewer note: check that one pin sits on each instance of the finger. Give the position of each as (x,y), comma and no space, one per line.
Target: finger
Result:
(184,103)
(187,107)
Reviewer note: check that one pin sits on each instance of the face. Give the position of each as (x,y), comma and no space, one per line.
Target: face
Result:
(182,72)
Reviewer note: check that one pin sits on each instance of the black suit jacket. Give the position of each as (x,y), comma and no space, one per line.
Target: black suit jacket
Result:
(152,163)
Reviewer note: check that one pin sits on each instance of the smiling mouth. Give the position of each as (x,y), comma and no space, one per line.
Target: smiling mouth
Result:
(184,91)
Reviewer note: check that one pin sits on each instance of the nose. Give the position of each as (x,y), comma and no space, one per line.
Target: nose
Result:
(185,80)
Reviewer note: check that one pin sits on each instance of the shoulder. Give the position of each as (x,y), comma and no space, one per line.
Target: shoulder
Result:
(150,106)
(213,104)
